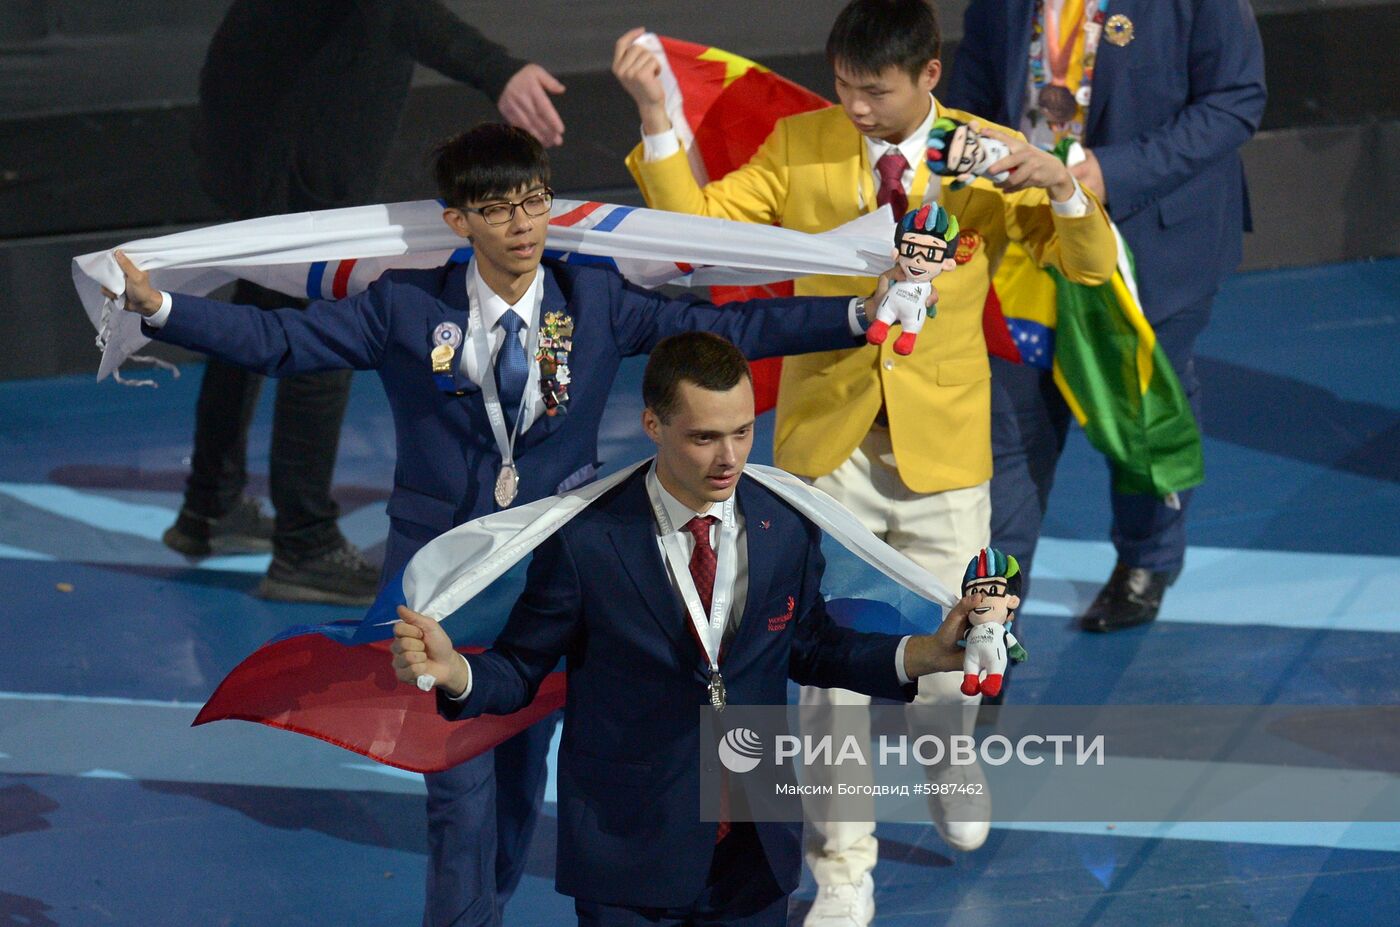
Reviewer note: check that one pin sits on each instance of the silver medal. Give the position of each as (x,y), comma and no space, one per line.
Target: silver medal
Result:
(718,697)
(506,485)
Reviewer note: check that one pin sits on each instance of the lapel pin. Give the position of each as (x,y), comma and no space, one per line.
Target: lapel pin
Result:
(1118,29)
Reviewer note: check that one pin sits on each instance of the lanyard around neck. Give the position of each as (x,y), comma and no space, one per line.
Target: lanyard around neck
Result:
(709,630)
(486,370)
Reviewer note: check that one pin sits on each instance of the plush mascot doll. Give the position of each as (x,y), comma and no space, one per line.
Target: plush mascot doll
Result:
(989,641)
(925,241)
(956,149)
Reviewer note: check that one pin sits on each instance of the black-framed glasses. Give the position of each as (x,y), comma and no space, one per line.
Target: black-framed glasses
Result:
(932,253)
(534,205)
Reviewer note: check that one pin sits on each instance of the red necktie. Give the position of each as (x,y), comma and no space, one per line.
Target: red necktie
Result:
(702,571)
(702,559)
(891,168)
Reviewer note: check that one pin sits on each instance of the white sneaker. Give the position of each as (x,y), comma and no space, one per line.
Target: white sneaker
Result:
(970,803)
(847,905)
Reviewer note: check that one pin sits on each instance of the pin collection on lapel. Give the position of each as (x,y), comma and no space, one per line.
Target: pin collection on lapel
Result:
(556,342)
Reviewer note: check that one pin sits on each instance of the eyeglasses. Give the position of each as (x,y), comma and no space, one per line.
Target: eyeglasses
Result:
(930,252)
(534,205)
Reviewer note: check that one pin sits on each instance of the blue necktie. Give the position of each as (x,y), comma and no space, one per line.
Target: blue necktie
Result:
(512,367)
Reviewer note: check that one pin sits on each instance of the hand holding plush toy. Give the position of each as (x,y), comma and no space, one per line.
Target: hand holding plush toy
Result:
(990,642)
(957,149)
(925,241)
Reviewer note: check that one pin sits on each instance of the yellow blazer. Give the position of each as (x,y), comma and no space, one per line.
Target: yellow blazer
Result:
(813,173)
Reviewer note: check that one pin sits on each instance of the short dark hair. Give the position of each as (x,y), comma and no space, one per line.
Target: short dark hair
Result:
(490,160)
(870,35)
(702,358)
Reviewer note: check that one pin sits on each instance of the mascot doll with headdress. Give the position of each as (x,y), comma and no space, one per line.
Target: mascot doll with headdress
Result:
(925,241)
(989,642)
(956,149)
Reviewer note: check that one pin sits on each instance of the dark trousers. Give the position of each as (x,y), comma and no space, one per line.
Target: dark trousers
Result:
(1029,424)
(481,818)
(305,436)
(741,892)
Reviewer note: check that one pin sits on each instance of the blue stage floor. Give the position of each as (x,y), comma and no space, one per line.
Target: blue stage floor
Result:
(114,811)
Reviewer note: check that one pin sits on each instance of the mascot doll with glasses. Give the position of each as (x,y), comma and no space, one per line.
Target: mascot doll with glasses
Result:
(925,241)
(989,642)
(956,149)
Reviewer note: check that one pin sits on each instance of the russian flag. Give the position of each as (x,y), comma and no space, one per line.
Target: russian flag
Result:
(335,682)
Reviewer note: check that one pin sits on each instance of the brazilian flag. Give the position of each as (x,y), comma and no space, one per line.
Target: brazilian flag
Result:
(1106,361)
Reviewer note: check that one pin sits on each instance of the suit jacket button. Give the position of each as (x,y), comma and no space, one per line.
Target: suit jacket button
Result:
(889,365)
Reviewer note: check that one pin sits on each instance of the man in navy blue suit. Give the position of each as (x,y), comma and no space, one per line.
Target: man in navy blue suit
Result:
(497,372)
(660,587)
(1162,94)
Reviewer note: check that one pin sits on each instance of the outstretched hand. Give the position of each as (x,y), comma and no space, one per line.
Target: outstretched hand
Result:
(422,648)
(525,104)
(141,297)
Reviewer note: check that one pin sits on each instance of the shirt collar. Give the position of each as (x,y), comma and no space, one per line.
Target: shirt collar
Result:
(913,148)
(678,511)
(493,306)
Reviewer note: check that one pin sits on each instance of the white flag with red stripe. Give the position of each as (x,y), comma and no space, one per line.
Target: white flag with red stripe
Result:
(334,253)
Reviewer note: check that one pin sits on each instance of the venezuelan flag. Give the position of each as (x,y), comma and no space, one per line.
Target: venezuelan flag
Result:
(1107,364)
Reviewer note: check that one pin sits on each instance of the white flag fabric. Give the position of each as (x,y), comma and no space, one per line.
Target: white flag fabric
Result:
(454,567)
(334,253)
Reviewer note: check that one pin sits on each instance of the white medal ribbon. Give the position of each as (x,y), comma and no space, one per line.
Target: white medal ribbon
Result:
(486,368)
(708,629)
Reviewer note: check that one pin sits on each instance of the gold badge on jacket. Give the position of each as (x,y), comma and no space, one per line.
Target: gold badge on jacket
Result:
(1118,29)
(969,240)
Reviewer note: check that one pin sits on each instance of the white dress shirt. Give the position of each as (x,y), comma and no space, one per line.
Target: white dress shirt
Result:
(680,514)
(492,307)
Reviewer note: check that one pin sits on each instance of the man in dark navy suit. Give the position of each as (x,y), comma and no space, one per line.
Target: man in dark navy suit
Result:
(1161,94)
(497,372)
(662,585)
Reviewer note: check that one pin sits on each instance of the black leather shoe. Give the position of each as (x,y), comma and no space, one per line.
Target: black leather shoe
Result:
(244,530)
(339,576)
(1131,597)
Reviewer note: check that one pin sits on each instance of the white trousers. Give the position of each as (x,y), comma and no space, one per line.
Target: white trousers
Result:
(941,532)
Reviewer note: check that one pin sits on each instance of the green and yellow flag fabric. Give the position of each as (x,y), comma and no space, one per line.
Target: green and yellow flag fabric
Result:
(1106,361)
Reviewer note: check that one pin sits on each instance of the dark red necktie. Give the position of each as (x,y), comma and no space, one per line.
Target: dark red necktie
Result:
(702,571)
(702,559)
(891,168)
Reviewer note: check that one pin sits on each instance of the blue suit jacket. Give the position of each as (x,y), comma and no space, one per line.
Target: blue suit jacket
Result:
(446,457)
(1169,113)
(597,594)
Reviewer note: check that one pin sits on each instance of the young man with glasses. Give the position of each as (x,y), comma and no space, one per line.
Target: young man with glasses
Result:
(497,372)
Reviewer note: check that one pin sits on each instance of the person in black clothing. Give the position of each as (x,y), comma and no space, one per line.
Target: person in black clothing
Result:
(299,101)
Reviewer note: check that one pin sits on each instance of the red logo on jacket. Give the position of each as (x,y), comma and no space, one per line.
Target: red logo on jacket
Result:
(778,622)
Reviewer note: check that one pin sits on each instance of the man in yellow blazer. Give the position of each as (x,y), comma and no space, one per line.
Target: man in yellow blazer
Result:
(904,442)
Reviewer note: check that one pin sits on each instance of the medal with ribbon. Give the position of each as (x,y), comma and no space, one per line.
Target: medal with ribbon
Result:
(1053,40)
(505,434)
(709,629)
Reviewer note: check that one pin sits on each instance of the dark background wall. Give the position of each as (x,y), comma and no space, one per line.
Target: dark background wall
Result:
(96,101)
